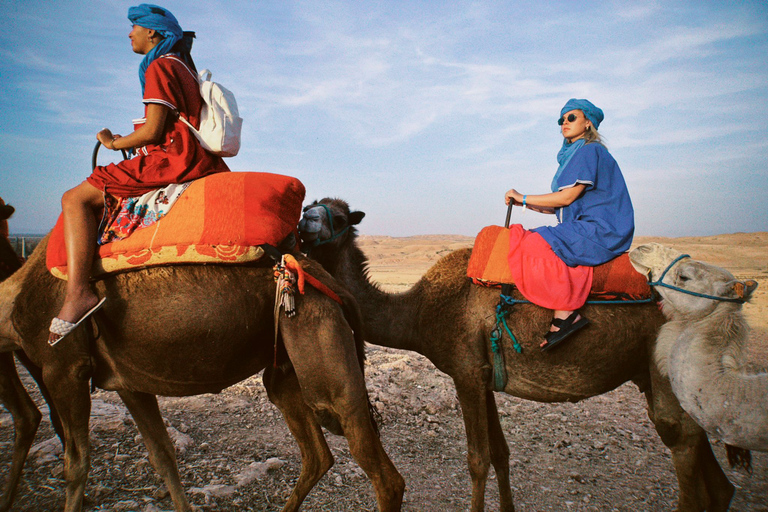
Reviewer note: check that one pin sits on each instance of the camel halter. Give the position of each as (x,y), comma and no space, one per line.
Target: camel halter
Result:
(334,235)
(659,282)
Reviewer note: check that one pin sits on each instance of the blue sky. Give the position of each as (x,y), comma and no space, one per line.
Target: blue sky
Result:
(422,114)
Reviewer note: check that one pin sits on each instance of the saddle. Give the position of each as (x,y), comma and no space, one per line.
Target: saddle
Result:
(224,218)
(616,280)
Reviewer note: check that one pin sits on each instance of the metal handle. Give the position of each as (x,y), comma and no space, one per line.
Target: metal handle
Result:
(509,213)
(96,152)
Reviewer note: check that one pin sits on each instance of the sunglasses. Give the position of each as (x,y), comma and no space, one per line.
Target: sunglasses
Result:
(571,118)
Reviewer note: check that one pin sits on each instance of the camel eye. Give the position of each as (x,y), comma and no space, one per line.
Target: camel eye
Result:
(339,220)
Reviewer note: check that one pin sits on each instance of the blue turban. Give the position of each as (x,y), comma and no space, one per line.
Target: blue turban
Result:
(591,112)
(163,22)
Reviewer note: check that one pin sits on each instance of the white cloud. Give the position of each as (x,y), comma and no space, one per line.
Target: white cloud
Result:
(375,96)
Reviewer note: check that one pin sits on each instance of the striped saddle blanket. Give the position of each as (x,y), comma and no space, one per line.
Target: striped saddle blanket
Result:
(222,218)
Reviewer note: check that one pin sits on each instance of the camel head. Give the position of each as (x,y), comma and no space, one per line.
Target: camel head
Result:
(6,211)
(328,221)
(690,289)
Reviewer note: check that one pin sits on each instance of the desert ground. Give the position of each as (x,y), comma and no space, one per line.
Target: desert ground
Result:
(236,454)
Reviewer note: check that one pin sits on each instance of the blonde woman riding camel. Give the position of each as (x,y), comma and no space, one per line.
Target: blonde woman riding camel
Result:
(552,265)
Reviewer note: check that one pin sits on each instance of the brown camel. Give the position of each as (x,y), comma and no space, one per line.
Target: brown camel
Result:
(448,320)
(26,416)
(9,260)
(185,330)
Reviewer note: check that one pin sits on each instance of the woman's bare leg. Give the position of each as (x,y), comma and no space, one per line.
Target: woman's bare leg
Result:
(80,206)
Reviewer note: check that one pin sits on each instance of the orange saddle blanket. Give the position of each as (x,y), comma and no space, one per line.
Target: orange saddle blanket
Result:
(615,280)
(222,218)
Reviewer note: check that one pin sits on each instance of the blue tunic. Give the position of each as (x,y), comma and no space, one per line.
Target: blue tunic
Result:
(599,225)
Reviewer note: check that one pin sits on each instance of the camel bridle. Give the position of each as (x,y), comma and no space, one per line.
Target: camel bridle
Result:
(334,234)
(659,282)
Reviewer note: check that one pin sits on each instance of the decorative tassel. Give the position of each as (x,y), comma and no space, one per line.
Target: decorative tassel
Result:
(286,288)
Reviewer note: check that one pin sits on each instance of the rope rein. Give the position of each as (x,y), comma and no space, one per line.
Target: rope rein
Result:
(659,282)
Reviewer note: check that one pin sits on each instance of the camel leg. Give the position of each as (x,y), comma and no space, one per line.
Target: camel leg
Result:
(474,410)
(68,382)
(146,413)
(316,458)
(26,419)
(702,483)
(499,454)
(37,373)
(366,448)
(322,349)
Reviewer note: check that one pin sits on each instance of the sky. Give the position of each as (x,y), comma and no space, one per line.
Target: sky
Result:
(420,113)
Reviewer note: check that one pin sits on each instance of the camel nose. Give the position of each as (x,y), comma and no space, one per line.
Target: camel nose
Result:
(310,225)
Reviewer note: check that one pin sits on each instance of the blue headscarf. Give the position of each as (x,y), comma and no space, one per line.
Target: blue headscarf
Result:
(564,156)
(163,22)
(591,112)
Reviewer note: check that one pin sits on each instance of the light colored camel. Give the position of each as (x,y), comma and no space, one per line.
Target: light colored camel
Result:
(703,347)
(448,320)
(186,330)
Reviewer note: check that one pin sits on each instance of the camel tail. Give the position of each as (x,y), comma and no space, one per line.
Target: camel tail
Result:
(739,458)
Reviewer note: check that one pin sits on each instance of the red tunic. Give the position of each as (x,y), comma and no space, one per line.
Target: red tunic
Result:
(179,157)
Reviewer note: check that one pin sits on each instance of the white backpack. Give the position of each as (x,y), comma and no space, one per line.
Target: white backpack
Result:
(220,122)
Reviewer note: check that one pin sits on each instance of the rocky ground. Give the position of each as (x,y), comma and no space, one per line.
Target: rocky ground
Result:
(235,452)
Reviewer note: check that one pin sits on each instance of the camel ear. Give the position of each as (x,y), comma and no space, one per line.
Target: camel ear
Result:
(744,289)
(356,218)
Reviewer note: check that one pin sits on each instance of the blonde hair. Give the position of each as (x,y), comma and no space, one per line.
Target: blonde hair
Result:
(591,136)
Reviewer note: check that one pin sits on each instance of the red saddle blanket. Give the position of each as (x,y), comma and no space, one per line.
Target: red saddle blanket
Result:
(222,218)
(615,280)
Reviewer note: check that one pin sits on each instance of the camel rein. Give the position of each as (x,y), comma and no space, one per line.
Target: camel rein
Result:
(659,282)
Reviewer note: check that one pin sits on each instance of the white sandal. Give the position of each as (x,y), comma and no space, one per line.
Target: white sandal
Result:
(61,328)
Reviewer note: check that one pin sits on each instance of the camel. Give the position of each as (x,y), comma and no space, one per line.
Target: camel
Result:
(9,261)
(186,330)
(26,416)
(703,347)
(447,319)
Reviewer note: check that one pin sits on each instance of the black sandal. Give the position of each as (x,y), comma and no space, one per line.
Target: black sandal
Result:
(566,327)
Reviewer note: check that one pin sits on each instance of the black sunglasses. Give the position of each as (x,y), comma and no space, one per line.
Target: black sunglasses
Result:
(571,118)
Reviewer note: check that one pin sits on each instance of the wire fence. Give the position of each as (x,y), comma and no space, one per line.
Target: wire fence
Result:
(24,244)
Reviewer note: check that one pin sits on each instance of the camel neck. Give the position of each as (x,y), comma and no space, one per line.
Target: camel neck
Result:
(389,317)
(726,323)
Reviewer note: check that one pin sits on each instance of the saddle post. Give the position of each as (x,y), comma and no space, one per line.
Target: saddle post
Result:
(506,289)
(96,153)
